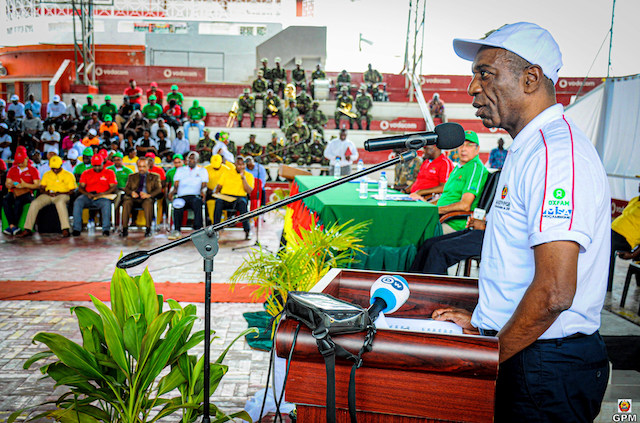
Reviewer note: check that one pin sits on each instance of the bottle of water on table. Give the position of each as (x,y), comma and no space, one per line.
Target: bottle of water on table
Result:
(337,168)
(382,189)
(91,227)
(364,186)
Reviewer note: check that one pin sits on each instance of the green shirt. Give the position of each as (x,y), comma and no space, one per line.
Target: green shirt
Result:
(121,175)
(80,168)
(88,109)
(170,174)
(196,113)
(107,109)
(178,97)
(152,111)
(467,178)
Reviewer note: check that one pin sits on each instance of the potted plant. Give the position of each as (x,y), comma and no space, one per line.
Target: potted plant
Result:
(115,375)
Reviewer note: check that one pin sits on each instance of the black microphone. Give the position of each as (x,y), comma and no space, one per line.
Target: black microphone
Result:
(446,136)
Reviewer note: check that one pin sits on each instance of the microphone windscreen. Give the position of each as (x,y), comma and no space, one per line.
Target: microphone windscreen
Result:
(393,289)
(450,135)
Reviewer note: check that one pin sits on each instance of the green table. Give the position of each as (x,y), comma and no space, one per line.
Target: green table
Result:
(395,232)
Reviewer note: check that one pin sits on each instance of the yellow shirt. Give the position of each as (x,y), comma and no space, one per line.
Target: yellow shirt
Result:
(231,183)
(215,174)
(61,182)
(628,223)
(130,163)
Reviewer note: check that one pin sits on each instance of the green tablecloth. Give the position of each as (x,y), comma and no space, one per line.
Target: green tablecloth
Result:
(397,229)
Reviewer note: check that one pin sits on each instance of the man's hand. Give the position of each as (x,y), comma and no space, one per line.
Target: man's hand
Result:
(170,196)
(629,255)
(458,316)
(476,224)
(144,195)
(52,193)
(134,194)
(417,196)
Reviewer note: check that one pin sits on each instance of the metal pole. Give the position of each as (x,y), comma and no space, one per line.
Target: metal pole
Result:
(613,8)
(208,268)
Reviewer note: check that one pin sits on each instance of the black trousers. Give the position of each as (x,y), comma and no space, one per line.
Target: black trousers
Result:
(240,204)
(193,202)
(437,254)
(618,243)
(13,205)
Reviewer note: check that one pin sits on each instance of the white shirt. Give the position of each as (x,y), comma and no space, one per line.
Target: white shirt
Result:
(338,148)
(168,129)
(553,187)
(66,165)
(56,109)
(47,136)
(5,152)
(79,148)
(152,142)
(74,111)
(18,108)
(221,148)
(190,180)
(181,146)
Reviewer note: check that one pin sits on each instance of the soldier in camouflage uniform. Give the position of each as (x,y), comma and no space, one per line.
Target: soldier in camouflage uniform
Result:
(406,173)
(271,107)
(300,128)
(298,77)
(273,151)
(303,100)
(343,101)
(260,86)
(372,78)
(296,151)
(317,74)
(278,78)
(344,80)
(316,119)
(364,103)
(316,151)
(289,116)
(252,148)
(266,72)
(246,104)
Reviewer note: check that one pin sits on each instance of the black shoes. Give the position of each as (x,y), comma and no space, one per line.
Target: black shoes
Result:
(106,233)
(125,232)
(76,233)
(147,233)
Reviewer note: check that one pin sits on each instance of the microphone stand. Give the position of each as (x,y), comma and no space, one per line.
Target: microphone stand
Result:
(206,242)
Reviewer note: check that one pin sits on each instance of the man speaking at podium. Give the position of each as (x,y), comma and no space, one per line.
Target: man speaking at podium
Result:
(545,255)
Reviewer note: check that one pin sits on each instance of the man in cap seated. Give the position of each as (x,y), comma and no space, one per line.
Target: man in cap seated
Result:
(56,187)
(154,90)
(180,144)
(56,111)
(195,115)
(107,109)
(176,95)
(22,179)
(141,189)
(87,154)
(215,170)
(246,104)
(152,110)
(72,160)
(109,126)
(237,184)
(91,139)
(189,183)
(95,184)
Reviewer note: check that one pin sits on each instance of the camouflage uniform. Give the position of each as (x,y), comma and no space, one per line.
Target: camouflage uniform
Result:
(406,173)
(298,77)
(273,155)
(246,104)
(364,102)
(278,79)
(303,102)
(302,130)
(316,153)
(344,80)
(266,72)
(289,116)
(316,119)
(317,74)
(296,152)
(252,149)
(259,87)
(205,156)
(275,102)
(372,77)
(345,98)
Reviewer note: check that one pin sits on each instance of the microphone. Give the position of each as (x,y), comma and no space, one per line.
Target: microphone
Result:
(388,294)
(446,136)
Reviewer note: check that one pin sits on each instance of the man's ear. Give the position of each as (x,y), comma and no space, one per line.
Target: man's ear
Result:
(533,78)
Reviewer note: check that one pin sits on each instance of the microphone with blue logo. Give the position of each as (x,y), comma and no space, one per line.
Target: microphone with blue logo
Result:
(388,294)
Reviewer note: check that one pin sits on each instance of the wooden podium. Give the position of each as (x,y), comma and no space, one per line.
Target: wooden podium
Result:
(408,376)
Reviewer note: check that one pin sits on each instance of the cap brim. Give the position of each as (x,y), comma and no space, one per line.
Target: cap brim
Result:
(467,49)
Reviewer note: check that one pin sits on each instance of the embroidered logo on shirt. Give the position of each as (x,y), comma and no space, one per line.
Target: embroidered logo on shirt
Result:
(505,191)
(502,203)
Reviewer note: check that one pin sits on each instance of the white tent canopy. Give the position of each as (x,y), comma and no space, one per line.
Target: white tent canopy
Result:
(610,116)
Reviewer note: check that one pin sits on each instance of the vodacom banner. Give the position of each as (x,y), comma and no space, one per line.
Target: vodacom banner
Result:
(400,124)
(144,74)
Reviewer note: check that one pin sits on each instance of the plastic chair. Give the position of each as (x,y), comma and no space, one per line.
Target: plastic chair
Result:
(634,270)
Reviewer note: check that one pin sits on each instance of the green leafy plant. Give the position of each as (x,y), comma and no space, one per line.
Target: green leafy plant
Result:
(301,263)
(115,375)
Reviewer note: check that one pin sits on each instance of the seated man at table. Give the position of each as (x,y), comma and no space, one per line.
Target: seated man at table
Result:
(96,184)
(237,184)
(141,190)
(188,191)
(433,174)
(465,184)
(56,186)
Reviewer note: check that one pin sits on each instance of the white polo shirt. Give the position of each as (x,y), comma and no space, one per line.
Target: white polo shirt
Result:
(190,180)
(553,187)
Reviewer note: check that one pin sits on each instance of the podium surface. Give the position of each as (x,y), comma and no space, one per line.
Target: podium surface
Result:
(408,376)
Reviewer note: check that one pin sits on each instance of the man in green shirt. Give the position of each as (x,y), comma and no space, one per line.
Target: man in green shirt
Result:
(122,172)
(107,108)
(152,110)
(87,154)
(196,115)
(86,111)
(465,184)
(174,94)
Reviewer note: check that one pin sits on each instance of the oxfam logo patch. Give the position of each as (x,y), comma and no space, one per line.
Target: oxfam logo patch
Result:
(559,193)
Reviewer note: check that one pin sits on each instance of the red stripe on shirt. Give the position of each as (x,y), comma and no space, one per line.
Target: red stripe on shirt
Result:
(546,168)
(573,173)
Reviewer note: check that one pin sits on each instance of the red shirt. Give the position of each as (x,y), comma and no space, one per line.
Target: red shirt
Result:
(98,181)
(28,174)
(3,165)
(433,173)
(159,95)
(160,171)
(133,91)
(176,111)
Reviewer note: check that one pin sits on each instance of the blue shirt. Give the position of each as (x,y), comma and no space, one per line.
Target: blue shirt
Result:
(496,158)
(34,107)
(259,172)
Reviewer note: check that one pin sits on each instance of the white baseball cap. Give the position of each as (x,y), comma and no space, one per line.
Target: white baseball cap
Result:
(15,97)
(527,40)
(56,98)
(92,131)
(72,154)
